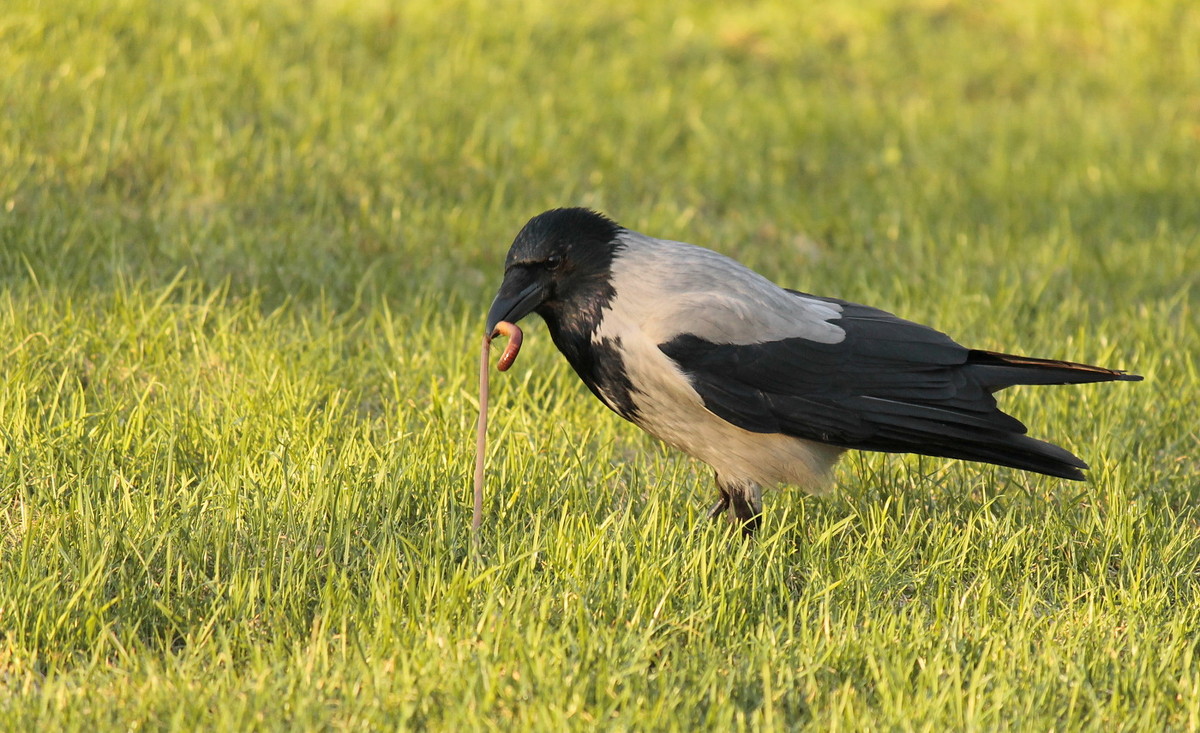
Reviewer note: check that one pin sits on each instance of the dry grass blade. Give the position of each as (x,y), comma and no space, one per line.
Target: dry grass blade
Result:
(513,332)
(481,434)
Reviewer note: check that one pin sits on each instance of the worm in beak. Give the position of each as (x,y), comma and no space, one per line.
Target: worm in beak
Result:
(513,332)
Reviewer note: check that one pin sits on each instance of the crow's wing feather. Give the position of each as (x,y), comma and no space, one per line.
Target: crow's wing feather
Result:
(889,385)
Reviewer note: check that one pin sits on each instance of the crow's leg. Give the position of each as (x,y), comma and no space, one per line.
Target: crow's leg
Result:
(722,504)
(745,497)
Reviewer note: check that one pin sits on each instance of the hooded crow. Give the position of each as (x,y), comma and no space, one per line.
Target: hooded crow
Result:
(764,384)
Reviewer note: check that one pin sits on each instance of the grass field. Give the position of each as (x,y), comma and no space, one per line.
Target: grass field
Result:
(245,252)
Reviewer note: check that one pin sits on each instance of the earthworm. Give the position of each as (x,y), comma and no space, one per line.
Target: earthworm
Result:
(513,332)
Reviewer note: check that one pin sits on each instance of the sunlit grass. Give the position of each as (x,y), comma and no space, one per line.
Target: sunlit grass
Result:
(245,251)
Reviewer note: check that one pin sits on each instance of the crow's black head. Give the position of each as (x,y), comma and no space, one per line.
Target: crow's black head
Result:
(558,265)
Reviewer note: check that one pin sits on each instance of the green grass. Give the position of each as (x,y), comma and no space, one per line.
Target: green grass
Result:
(245,252)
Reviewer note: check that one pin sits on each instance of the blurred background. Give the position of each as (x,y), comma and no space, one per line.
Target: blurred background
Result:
(349,147)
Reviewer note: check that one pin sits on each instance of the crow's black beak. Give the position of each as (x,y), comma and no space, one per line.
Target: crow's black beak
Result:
(519,294)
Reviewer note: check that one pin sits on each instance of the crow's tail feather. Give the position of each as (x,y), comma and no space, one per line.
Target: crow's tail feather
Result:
(1023,452)
(980,431)
(995,371)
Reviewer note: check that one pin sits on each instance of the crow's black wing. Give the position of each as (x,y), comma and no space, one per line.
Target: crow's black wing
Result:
(889,385)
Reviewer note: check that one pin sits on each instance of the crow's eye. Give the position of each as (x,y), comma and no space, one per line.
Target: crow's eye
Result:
(552,262)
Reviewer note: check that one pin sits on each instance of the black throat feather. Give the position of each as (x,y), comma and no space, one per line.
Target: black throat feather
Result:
(573,322)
